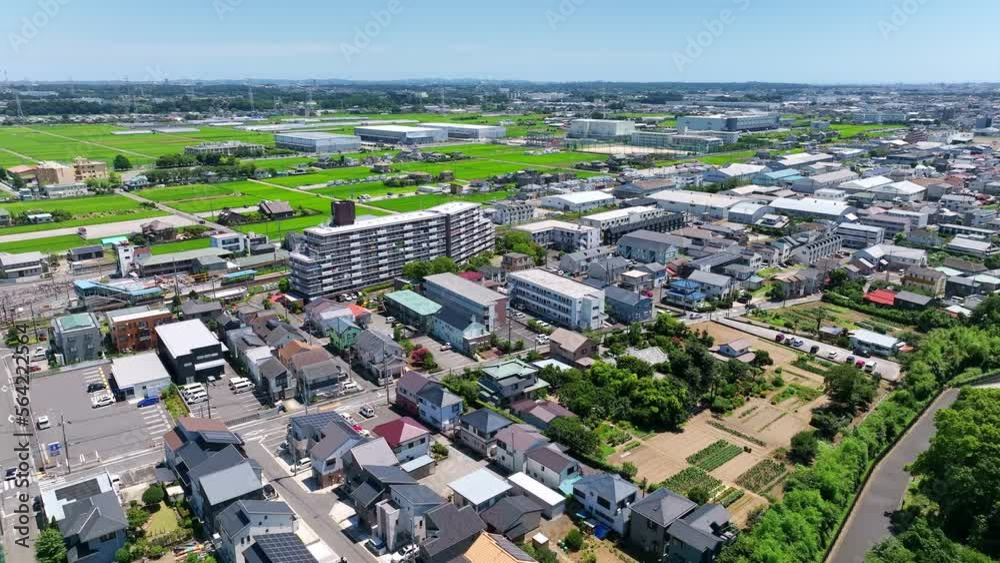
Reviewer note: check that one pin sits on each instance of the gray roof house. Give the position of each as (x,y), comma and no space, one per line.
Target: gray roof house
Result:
(479,429)
(245,521)
(670,527)
(450,532)
(89,516)
(513,517)
(380,354)
(608,498)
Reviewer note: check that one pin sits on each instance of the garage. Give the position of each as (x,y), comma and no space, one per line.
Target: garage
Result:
(139,377)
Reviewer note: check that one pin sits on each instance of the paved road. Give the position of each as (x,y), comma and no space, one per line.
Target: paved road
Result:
(883,494)
(889,371)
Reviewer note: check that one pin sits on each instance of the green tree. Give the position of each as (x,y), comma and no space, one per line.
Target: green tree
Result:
(805,445)
(849,388)
(153,495)
(629,470)
(50,547)
(776,292)
(464,387)
(987,313)
(699,495)
(573,540)
(121,162)
(572,432)
(284,285)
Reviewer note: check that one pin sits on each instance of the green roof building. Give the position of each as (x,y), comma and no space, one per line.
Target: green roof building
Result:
(411,309)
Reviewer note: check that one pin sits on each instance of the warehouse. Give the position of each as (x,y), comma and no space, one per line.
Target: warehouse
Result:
(812,208)
(600,129)
(469,131)
(715,206)
(578,201)
(311,141)
(401,134)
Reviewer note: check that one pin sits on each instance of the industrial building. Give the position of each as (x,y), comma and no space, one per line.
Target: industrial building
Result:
(557,299)
(724,122)
(715,206)
(677,142)
(469,131)
(401,134)
(314,141)
(351,255)
(859,236)
(812,208)
(600,129)
(225,148)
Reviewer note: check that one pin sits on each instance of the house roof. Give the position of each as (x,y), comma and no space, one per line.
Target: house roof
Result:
(552,458)
(230,483)
(609,486)
(438,395)
(375,452)
(235,517)
(278,548)
(480,486)
(495,549)
(400,431)
(914,298)
(413,301)
(521,437)
(881,297)
(418,494)
(507,515)
(663,507)
(90,518)
(568,339)
(545,410)
(486,420)
(453,527)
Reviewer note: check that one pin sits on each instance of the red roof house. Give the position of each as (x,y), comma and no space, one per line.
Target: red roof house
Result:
(881,297)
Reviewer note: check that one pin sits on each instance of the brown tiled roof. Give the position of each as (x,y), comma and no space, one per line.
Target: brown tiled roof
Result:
(195,424)
(172,440)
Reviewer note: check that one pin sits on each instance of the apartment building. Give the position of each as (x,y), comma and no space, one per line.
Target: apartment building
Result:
(892,225)
(349,256)
(599,129)
(133,329)
(512,213)
(619,222)
(84,169)
(557,299)
(77,337)
(560,235)
(823,247)
(471,300)
(854,235)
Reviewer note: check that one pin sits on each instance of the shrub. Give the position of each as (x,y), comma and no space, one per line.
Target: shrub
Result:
(573,540)
(153,495)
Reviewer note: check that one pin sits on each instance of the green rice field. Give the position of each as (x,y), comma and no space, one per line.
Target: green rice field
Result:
(179,246)
(50,245)
(91,210)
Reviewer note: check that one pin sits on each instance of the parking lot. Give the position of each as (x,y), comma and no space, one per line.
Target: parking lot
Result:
(223,403)
(92,434)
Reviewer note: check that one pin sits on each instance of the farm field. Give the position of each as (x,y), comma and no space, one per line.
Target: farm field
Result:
(850,130)
(91,210)
(179,246)
(278,229)
(199,198)
(101,219)
(49,245)
(804,318)
(352,191)
(418,202)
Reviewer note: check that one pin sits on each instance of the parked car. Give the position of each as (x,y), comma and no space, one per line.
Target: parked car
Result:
(42,422)
(831,355)
(148,402)
(695,315)
(367,411)
(814,349)
(779,337)
(96,386)
(446,346)
(102,401)
(870,366)
(860,364)
(303,463)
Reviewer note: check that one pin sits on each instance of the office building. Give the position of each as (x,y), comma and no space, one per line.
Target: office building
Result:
(76,337)
(351,256)
(599,129)
(469,299)
(512,213)
(133,329)
(576,202)
(318,142)
(560,235)
(401,134)
(225,148)
(676,142)
(723,122)
(189,351)
(558,300)
(859,236)
(469,131)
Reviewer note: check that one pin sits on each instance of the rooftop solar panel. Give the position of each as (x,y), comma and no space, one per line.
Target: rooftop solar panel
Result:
(77,491)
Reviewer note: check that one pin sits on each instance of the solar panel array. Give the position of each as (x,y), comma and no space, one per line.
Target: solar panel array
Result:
(284,548)
(77,491)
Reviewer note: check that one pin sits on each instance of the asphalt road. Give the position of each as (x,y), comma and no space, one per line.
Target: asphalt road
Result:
(868,523)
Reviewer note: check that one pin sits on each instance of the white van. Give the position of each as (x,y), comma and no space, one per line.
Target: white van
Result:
(242,386)
(234,381)
(192,388)
(196,397)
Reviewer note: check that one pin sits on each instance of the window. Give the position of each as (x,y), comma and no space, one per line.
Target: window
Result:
(107,537)
(650,525)
(603,503)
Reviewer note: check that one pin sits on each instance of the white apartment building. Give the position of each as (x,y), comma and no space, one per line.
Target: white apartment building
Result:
(556,299)
(857,236)
(599,129)
(560,235)
(621,217)
(731,122)
(346,257)
(512,213)
(578,201)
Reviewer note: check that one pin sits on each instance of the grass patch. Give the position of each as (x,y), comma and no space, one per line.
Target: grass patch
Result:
(163,521)
(48,245)
(419,202)
(179,246)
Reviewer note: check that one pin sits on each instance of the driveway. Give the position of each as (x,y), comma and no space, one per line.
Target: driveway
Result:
(887,370)
(883,494)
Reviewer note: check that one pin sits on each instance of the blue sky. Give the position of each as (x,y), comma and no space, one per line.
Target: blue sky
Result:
(834,41)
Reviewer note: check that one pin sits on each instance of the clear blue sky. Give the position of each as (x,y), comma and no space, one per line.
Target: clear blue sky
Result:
(832,41)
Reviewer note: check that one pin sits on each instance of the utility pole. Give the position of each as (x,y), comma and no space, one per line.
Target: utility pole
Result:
(62,422)
(305,385)
(385,373)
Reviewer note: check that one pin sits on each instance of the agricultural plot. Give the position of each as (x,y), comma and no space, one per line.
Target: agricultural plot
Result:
(278,229)
(352,191)
(419,202)
(179,246)
(181,193)
(760,477)
(40,145)
(48,245)
(93,219)
(714,456)
(806,317)
(692,478)
(84,211)
(214,197)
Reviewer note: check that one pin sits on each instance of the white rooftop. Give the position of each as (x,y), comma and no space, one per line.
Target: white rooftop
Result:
(315,135)
(557,284)
(397,128)
(811,205)
(739,169)
(619,213)
(583,197)
(536,489)
(551,224)
(696,198)
(903,188)
(804,158)
(875,338)
(135,315)
(182,337)
(480,486)
(866,183)
(130,371)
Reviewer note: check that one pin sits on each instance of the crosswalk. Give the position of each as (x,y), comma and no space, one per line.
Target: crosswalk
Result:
(95,375)
(156,421)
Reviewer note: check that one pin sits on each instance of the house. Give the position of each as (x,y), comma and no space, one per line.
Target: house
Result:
(343,333)
(325,438)
(479,429)
(480,489)
(88,514)
(910,300)
(401,519)
(439,407)
(242,522)
(626,306)
(669,527)
(381,356)
(608,498)
(551,467)
(318,374)
(926,279)
(649,246)
(509,381)
(464,333)
(570,346)
(514,442)
(553,503)
(407,438)
(275,210)
(450,533)
(495,549)
(201,310)
(274,380)
(539,413)
(159,231)
(800,282)
(875,343)
(687,294)
(407,388)
(736,349)
(513,517)
(715,286)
